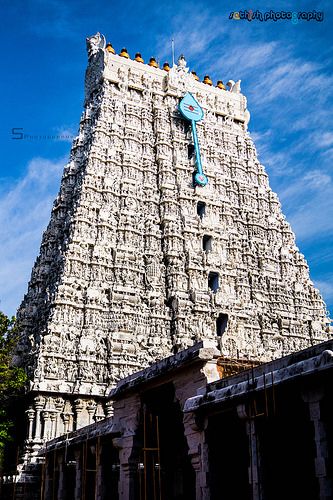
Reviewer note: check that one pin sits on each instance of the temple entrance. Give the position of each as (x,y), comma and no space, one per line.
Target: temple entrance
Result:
(288,451)
(228,457)
(164,470)
(109,466)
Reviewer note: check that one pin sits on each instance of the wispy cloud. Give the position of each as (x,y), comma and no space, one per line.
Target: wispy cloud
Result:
(66,133)
(193,33)
(326,288)
(286,76)
(24,213)
(322,139)
(315,180)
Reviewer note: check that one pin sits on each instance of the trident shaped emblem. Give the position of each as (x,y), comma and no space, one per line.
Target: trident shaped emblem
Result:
(191,110)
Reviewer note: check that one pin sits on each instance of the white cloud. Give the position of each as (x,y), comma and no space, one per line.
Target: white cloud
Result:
(246,60)
(326,288)
(24,213)
(308,201)
(314,218)
(323,139)
(317,179)
(66,133)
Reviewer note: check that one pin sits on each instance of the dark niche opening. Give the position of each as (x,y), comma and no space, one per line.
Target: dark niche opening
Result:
(201,209)
(213,281)
(221,324)
(190,151)
(207,243)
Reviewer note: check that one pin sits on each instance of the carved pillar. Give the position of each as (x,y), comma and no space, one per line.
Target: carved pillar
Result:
(128,468)
(313,399)
(65,417)
(53,425)
(39,405)
(30,414)
(127,415)
(99,414)
(109,411)
(254,467)
(47,425)
(91,408)
(59,405)
(78,407)
(198,453)
(185,387)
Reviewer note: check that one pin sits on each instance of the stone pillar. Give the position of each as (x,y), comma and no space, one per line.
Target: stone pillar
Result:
(126,415)
(128,468)
(30,414)
(47,482)
(185,387)
(91,408)
(109,411)
(78,407)
(65,417)
(47,425)
(313,398)
(59,405)
(254,468)
(99,469)
(99,414)
(61,486)
(53,418)
(39,405)
(78,473)
(198,454)
(68,417)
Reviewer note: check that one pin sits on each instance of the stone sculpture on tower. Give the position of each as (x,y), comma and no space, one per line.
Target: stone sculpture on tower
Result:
(140,260)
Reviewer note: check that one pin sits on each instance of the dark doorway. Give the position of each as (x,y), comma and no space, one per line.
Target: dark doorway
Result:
(110,469)
(287,450)
(89,469)
(228,457)
(165,471)
(69,479)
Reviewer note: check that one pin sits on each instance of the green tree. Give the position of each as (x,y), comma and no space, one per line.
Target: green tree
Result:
(12,378)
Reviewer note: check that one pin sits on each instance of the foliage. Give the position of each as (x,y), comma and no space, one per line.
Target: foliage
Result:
(12,378)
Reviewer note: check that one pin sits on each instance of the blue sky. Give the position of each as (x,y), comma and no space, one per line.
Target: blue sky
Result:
(286,73)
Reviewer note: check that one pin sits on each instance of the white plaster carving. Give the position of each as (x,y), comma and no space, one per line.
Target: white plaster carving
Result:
(122,280)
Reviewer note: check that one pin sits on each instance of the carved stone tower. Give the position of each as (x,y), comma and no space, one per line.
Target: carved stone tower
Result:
(137,262)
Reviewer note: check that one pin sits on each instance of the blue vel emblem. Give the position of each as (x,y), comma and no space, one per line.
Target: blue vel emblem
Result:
(191,110)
